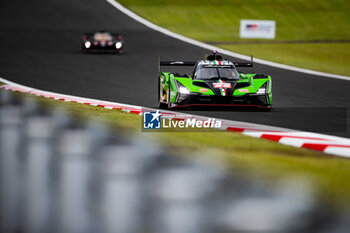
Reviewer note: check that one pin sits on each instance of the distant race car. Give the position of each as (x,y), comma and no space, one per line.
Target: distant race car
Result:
(102,41)
(214,82)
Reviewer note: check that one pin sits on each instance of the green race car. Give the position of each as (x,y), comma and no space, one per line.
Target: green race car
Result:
(214,82)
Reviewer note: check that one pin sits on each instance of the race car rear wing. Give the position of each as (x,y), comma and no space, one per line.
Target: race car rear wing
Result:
(177,63)
(243,64)
(192,63)
(174,63)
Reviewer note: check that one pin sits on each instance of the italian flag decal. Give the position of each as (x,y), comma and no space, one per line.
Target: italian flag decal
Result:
(215,62)
(222,90)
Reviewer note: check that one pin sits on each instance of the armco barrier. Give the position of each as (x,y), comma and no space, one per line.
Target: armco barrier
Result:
(60,175)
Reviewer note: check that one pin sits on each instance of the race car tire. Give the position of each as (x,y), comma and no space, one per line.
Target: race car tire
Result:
(160,104)
(170,105)
(265,109)
(84,50)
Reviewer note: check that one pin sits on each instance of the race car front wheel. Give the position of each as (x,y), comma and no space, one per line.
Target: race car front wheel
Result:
(84,50)
(160,104)
(170,105)
(263,102)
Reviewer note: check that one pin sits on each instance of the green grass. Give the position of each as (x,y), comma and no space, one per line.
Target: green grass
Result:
(296,20)
(326,57)
(260,159)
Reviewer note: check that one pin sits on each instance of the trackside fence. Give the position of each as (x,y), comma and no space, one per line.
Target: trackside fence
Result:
(61,175)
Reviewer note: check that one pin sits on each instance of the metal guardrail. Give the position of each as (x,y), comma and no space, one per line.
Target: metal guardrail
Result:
(64,176)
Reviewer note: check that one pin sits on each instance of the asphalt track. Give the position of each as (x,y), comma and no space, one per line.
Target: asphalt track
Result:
(40,47)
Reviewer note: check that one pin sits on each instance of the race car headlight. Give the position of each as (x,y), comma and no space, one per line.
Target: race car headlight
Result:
(182,89)
(87,44)
(262,89)
(118,45)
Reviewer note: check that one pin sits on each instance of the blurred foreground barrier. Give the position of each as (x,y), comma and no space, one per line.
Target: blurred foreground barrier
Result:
(63,176)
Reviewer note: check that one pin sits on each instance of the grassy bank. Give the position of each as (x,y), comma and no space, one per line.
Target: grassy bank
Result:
(258,158)
(296,20)
(325,57)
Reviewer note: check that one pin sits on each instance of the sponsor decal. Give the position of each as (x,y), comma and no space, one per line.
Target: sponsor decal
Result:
(151,120)
(222,85)
(203,90)
(243,90)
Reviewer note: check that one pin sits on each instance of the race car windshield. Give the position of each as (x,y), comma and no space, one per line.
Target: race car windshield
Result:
(102,36)
(217,73)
